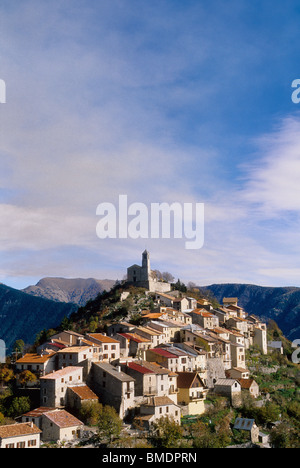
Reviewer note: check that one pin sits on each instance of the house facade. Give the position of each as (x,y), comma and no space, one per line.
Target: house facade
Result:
(54,386)
(22,435)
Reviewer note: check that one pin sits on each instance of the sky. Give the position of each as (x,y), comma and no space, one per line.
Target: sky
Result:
(162,101)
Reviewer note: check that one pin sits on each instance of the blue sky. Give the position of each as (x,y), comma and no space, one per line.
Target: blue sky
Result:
(165,101)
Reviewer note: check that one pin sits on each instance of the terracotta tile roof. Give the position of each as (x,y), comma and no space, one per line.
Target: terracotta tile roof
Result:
(155,367)
(35,413)
(153,315)
(73,349)
(62,418)
(246,383)
(62,372)
(34,358)
(19,429)
(102,338)
(149,331)
(84,392)
(135,337)
(160,401)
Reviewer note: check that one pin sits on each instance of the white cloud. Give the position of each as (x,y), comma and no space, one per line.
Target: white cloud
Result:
(274,181)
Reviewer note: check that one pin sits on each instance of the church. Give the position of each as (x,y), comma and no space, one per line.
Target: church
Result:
(143,277)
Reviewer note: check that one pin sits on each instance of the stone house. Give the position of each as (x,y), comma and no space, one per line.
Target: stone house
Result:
(176,360)
(77,396)
(250,386)
(238,373)
(132,344)
(199,357)
(39,364)
(238,356)
(67,337)
(106,348)
(157,337)
(156,408)
(119,327)
(78,356)
(169,329)
(20,435)
(113,387)
(34,416)
(54,386)
(150,380)
(191,392)
(244,424)
(204,318)
(59,425)
(230,388)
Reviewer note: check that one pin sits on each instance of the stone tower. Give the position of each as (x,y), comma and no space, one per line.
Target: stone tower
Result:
(146,269)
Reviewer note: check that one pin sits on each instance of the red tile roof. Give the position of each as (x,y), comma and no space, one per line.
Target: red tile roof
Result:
(163,352)
(139,368)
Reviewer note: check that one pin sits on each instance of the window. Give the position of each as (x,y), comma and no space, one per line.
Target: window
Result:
(10,446)
(32,443)
(62,380)
(70,378)
(20,444)
(160,410)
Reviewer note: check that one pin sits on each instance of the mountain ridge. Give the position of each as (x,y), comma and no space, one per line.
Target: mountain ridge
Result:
(71,290)
(281,304)
(23,316)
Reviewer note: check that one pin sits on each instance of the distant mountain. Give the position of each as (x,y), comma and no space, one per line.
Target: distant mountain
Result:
(22,316)
(282,304)
(76,290)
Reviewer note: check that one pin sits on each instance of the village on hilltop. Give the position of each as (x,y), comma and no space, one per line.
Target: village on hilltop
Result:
(184,349)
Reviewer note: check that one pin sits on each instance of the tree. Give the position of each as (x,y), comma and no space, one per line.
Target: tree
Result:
(26,376)
(19,406)
(109,423)
(6,375)
(166,276)
(90,412)
(19,347)
(202,436)
(166,433)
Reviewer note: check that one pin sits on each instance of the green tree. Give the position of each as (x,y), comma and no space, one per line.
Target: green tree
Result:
(19,347)
(202,436)
(166,433)
(19,406)
(109,424)
(90,412)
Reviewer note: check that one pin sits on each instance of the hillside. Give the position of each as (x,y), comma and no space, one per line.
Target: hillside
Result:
(281,304)
(75,290)
(23,316)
